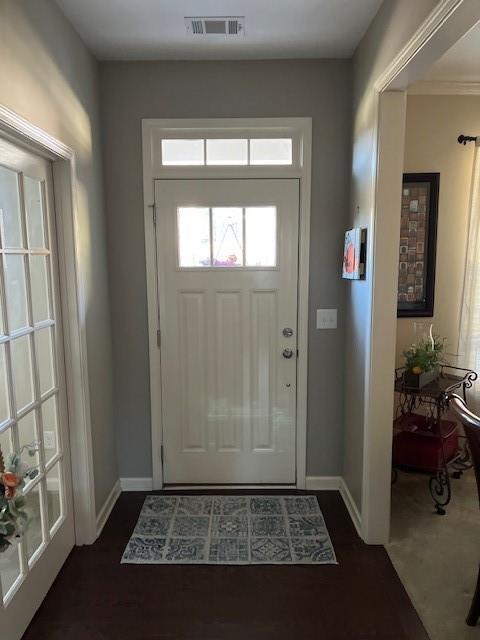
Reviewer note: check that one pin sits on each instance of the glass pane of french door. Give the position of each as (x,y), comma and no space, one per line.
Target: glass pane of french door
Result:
(30,386)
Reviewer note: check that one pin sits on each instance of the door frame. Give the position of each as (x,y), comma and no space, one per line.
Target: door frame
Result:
(445,25)
(153,131)
(73,302)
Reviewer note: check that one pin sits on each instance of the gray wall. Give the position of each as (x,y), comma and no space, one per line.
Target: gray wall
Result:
(394,24)
(132,91)
(48,76)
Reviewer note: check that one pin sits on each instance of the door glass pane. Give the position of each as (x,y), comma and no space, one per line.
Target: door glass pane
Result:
(6,443)
(16,292)
(21,355)
(4,401)
(9,568)
(271,151)
(50,428)
(34,211)
(2,322)
(261,236)
(27,436)
(9,559)
(40,292)
(227,152)
(33,534)
(182,152)
(43,341)
(227,226)
(54,495)
(10,220)
(194,236)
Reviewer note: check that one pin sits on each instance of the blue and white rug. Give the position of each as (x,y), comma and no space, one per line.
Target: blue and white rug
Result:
(230,530)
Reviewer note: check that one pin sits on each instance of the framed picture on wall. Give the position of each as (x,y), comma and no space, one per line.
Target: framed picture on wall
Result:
(354,254)
(417,247)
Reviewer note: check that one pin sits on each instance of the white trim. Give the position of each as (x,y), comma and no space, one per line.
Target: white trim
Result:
(448,21)
(396,74)
(312,483)
(436,88)
(107,507)
(351,506)
(323,483)
(301,130)
(73,301)
(24,131)
(228,487)
(136,484)
(303,297)
(337,483)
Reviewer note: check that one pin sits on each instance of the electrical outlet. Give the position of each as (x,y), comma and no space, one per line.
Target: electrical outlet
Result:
(49,440)
(326,318)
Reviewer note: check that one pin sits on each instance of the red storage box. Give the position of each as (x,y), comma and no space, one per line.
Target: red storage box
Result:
(417,447)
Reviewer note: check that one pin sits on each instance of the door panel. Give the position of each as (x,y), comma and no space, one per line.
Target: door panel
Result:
(263,367)
(32,383)
(228,370)
(227,277)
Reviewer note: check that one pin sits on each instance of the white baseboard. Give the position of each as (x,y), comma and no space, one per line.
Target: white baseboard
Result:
(323,483)
(351,506)
(337,483)
(107,507)
(214,487)
(313,483)
(136,484)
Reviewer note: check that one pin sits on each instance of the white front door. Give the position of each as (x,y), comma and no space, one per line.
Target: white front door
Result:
(227,279)
(32,383)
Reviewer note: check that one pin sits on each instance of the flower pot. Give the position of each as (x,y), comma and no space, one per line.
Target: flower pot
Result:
(419,380)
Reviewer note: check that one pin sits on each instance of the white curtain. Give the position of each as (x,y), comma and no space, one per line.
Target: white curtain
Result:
(469,339)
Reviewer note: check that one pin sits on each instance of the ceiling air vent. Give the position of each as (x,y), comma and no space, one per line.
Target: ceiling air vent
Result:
(215,26)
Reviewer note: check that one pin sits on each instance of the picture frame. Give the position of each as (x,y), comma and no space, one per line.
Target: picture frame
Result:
(354,254)
(417,246)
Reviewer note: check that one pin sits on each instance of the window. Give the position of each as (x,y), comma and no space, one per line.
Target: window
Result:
(228,237)
(194,237)
(227,151)
(260,236)
(271,151)
(227,240)
(182,152)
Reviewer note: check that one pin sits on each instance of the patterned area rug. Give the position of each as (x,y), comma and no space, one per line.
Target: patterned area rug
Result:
(230,530)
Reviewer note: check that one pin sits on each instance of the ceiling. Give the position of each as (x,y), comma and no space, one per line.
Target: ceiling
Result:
(155,29)
(461,63)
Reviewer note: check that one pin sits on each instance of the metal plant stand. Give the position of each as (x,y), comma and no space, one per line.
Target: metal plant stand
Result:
(419,412)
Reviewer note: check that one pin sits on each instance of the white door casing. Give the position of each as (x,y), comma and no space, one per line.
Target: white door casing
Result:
(228,393)
(33,373)
(153,132)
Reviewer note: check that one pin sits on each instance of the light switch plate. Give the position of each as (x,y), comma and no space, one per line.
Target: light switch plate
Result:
(326,318)
(49,440)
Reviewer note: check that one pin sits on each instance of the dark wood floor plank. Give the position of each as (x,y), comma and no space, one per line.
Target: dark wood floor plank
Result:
(96,598)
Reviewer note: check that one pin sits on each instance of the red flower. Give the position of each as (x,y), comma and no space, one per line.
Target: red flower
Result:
(11,479)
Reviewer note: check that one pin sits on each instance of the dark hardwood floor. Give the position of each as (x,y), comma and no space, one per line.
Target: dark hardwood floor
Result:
(96,598)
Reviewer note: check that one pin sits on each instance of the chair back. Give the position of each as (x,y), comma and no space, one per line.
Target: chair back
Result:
(471,426)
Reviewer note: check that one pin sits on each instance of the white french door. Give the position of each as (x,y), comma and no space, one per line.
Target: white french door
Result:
(227,255)
(32,383)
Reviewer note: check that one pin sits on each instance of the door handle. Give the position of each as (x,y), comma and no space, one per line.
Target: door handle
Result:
(287,353)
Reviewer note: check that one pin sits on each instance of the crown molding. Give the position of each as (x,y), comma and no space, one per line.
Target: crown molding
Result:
(437,18)
(15,125)
(429,88)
